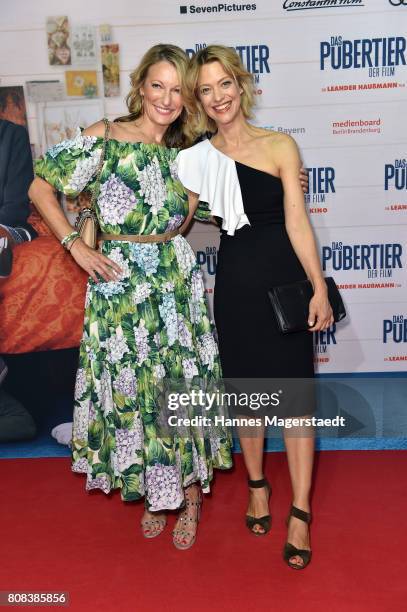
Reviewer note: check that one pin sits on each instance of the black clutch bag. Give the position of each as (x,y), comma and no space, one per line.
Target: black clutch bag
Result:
(291,303)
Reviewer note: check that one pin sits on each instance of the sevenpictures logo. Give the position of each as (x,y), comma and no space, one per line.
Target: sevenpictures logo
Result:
(305,5)
(221,7)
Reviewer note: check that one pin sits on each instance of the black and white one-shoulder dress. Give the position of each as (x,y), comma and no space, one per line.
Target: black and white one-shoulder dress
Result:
(255,254)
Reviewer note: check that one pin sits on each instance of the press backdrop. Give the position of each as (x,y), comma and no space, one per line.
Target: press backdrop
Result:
(331,73)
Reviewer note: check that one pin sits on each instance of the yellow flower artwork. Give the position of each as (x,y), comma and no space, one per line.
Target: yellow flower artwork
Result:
(81,83)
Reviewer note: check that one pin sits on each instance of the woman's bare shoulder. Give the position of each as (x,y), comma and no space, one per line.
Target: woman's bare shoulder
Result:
(96,129)
(280,139)
(275,141)
(282,145)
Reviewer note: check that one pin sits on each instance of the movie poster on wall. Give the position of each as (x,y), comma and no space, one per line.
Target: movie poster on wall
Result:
(58,35)
(12,105)
(111,70)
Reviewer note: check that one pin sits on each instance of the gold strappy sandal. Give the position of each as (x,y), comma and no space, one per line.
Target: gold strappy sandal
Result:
(183,538)
(153,527)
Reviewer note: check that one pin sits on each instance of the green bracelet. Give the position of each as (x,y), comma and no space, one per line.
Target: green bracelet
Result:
(72,242)
(69,237)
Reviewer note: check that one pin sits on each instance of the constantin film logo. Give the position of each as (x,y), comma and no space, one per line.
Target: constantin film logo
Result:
(304,5)
(220,7)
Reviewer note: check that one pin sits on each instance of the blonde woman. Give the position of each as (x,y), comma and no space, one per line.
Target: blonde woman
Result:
(248,177)
(145,315)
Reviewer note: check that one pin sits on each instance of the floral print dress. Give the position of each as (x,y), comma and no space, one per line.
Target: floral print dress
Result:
(148,326)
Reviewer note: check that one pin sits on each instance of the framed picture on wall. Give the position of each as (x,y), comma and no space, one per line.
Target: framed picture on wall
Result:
(58,37)
(59,120)
(111,70)
(81,83)
(12,104)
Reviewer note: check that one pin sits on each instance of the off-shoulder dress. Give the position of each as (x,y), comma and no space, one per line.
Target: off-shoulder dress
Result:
(148,327)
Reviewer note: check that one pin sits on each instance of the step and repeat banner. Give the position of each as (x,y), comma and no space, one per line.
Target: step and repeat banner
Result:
(333,74)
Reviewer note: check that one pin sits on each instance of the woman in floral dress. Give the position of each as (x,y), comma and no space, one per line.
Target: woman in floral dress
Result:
(146,318)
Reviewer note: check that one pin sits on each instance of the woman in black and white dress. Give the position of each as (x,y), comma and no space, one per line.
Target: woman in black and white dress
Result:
(248,178)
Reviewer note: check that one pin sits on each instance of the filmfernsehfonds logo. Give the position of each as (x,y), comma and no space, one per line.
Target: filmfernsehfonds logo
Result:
(304,5)
(220,7)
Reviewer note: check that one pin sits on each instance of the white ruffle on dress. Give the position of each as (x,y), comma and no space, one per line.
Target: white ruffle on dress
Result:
(212,175)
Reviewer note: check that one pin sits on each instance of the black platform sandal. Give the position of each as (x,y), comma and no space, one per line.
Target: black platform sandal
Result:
(290,550)
(263,521)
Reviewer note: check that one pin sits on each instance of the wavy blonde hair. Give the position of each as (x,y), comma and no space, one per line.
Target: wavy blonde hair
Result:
(232,65)
(179,133)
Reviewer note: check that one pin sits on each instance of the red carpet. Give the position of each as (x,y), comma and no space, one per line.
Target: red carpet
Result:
(56,537)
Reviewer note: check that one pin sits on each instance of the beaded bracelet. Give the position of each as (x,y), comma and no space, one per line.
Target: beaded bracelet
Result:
(68,238)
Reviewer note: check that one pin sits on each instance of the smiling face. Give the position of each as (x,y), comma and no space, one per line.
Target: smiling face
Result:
(219,93)
(161,92)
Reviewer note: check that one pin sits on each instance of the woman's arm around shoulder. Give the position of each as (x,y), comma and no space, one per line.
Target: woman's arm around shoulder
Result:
(193,201)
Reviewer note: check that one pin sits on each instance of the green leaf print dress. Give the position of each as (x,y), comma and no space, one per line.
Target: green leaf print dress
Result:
(150,325)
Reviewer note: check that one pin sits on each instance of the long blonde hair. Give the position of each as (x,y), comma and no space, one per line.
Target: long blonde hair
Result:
(179,132)
(231,63)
